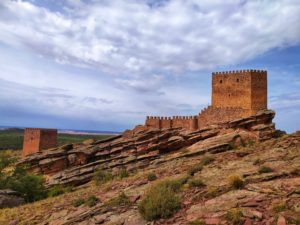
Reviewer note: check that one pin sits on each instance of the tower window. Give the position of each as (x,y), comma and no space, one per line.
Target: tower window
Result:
(237,80)
(221,81)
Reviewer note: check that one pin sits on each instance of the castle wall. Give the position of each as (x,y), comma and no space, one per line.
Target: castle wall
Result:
(231,89)
(48,139)
(36,139)
(153,121)
(259,93)
(212,115)
(31,141)
(186,122)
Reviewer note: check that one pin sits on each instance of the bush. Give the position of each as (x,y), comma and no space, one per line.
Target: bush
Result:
(92,201)
(101,177)
(206,160)
(265,169)
(78,202)
(211,192)
(55,191)
(196,168)
(58,190)
(279,207)
(234,216)
(30,186)
(236,182)
(121,200)
(123,173)
(151,177)
(161,201)
(196,183)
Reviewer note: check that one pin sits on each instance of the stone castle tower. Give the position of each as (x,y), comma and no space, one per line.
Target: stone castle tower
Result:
(235,94)
(36,139)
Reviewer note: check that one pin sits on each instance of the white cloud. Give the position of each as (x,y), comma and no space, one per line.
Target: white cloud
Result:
(130,37)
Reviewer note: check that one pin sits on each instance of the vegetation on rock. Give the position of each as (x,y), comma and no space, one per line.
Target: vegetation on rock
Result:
(236,182)
(161,200)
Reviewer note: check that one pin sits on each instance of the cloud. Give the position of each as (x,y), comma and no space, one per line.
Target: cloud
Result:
(137,37)
(152,84)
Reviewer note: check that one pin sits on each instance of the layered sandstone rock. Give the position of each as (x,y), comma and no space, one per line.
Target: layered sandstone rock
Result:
(142,147)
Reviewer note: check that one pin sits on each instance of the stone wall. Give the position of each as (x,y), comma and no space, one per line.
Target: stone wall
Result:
(212,115)
(36,139)
(186,122)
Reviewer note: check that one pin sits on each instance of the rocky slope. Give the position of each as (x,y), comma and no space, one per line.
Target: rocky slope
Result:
(268,196)
(142,147)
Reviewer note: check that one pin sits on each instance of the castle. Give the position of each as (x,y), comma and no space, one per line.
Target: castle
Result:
(36,139)
(235,94)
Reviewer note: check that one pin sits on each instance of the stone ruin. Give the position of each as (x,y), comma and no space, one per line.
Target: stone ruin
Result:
(235,94)
(37,139)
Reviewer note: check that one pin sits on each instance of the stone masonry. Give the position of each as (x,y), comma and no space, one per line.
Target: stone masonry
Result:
(235,94)
(36,139)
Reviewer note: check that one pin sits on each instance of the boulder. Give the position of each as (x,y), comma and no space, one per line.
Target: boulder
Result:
(9,198)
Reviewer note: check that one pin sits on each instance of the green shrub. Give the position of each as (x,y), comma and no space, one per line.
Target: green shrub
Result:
(197,222)
(211,192)
(123,173)
(55,191)
(91,201)
(30,186)
(121,200)
(265,169)
(161,201)
(5,160)
(236,182)
(101,177)
(279,207)
(234,216)
(206,160)
(151,176)
(78,202)
(194,169)
(58,190)
(196,183)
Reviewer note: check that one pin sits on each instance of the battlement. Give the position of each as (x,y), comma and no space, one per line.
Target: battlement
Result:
(37,139)
(187,122)
(232,72)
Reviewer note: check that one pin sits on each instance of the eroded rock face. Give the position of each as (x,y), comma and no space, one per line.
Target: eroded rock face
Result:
(9,198)
(141,147)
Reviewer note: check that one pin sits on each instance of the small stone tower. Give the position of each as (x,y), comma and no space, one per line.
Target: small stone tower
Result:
(36,139)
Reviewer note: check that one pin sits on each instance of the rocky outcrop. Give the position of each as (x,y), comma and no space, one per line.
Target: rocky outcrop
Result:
(9,198)
(141,147)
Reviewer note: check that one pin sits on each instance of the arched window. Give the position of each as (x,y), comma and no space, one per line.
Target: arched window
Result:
(221,81)
(237,80)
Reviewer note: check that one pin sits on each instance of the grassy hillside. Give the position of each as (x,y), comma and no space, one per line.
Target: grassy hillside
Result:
(13,139)
(245,185)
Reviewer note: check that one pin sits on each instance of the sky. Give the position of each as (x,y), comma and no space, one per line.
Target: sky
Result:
(107,64)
